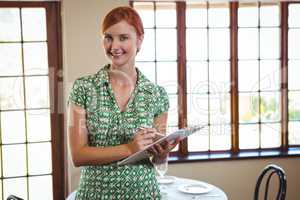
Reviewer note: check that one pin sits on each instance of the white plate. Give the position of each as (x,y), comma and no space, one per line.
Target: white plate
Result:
(195,188)
(166,179)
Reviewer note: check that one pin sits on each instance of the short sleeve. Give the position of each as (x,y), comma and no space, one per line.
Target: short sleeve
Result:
(162,102)
(78,94)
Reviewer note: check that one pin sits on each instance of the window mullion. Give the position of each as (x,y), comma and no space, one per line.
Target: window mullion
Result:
(55,85)
(284,75)
(234,76)
(181,73)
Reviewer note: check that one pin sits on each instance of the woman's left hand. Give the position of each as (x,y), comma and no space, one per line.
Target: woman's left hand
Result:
(161,151)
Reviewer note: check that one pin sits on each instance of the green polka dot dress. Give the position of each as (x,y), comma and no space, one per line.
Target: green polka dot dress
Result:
(108,126)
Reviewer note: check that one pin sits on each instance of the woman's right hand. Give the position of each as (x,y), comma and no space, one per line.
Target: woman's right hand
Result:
(141,140)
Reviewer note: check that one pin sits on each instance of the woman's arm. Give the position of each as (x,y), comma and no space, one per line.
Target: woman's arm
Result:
(83,154)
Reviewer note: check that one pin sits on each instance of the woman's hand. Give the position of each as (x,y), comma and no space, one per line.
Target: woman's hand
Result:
(142,139)
(161,151)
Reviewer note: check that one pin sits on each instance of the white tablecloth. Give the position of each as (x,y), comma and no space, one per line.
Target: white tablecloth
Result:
(172,192)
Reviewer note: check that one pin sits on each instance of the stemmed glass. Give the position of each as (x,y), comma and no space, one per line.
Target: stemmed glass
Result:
(161,169)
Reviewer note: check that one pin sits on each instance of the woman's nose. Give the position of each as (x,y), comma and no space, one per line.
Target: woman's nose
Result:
(115,44)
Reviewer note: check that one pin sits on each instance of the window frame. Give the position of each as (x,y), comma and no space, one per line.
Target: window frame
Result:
(54,38)
(285,150)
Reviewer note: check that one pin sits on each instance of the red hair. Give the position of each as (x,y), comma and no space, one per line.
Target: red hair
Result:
(127,14)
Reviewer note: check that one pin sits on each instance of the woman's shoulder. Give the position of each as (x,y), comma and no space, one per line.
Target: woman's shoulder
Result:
(150,86)
(87,80)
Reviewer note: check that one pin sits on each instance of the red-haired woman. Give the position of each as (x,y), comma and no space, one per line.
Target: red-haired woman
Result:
(107,111)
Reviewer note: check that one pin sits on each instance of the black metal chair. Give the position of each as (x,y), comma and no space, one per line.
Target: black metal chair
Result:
(268,172)
(13,197)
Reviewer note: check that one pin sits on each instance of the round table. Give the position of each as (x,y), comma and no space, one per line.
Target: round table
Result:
(171,192)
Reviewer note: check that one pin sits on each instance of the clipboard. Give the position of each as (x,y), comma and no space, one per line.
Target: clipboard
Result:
(180,133)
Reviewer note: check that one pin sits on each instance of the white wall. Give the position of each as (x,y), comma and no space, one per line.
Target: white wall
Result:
(83,55)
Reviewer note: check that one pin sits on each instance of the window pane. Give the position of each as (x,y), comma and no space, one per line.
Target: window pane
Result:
(269,75)
(166,44)
(294,130)
(294,15)
(248,75)
(197,109)
(34,19)
(219,44)
(269,106)
(294,106)
(199,141)
(35,58)
(196,44)
(148,69)
(16,186)
(147,52)
(294,41)
(269,15)
(197,77)
(39,158)
(14,165)
(248,15)
(42,184)
(11,60)
(166,15)
(219,106)
(248,107)
(294,71)
(146,12)
(248,43)
(219,77)
(9,131)
(38,120)
(173,111)
(37,92)
(11,93)
(196,15)
(269,43)
(249,136)
(270,135)
(218,15)
(220,137)
(10,22)
(169,82)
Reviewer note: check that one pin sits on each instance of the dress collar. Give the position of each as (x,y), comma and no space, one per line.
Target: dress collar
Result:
(143,84)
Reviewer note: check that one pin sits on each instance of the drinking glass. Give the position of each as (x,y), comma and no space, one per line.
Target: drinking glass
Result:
(161,169)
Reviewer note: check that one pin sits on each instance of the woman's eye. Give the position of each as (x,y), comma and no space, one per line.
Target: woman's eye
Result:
(108,38)
(123,38)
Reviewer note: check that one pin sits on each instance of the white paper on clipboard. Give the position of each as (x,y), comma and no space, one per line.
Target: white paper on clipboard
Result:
(180,133)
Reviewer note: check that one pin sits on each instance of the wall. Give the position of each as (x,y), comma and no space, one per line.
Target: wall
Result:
(83,55)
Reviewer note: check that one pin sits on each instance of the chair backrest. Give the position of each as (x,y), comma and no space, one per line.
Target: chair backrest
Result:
(13,197)
(268,172)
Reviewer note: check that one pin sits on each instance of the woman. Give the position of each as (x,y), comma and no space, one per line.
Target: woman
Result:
(109,115)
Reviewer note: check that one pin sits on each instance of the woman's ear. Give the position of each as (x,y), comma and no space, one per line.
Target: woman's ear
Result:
(139,42)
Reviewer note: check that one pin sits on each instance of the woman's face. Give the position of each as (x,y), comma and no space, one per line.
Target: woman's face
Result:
(121,43)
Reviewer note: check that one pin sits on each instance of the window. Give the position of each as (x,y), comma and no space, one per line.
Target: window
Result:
(30,122)
(259,75)
(293,70)
(235,71)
